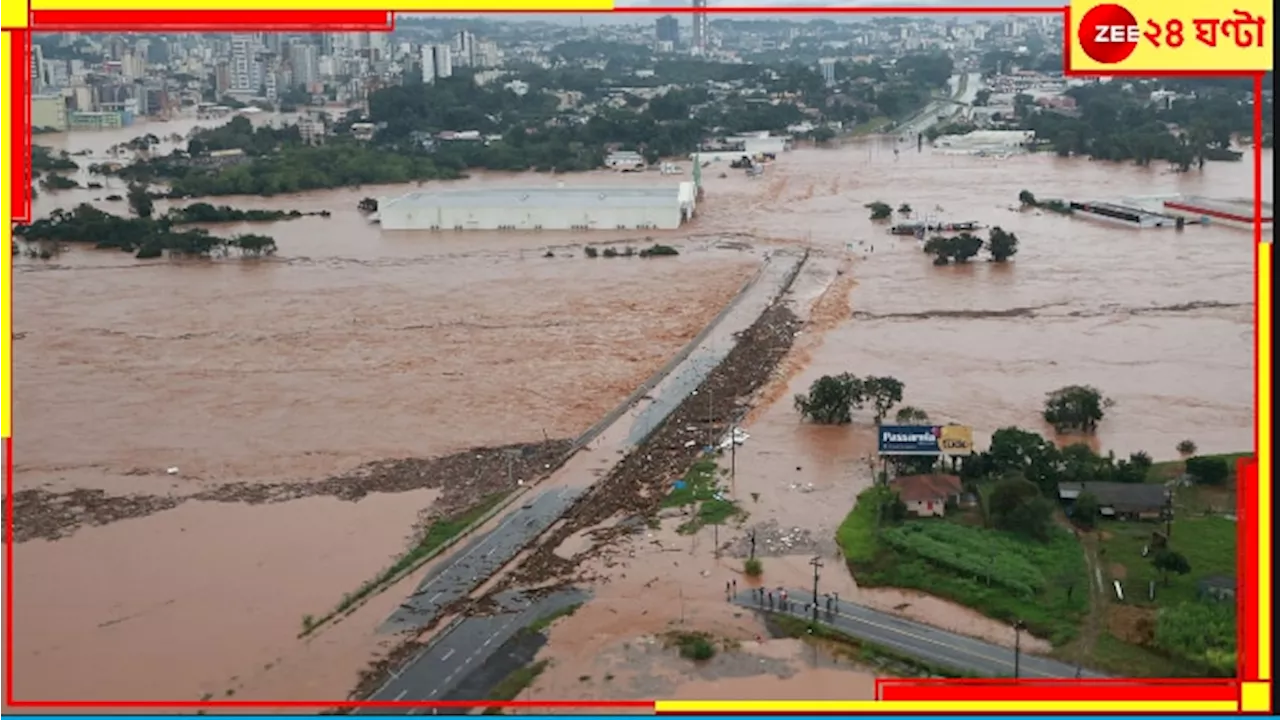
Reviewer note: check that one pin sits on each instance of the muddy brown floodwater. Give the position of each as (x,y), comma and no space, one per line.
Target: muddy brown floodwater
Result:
(353,346)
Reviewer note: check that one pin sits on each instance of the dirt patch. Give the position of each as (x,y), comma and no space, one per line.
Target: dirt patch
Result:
(1118,571)
(464,477)
(1131,624)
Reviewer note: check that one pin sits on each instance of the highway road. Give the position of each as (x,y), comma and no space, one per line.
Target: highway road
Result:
(462,650)
(480,558)
(923,642)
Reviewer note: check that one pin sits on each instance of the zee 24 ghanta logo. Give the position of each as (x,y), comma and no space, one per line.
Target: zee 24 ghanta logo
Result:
(1109,33)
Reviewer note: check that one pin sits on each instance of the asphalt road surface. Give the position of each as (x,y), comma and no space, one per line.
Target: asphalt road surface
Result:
(480,558)
(463,650)
(916,640)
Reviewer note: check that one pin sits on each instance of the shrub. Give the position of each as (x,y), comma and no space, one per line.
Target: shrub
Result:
(1208,470)
(1187,447)
(590,252)
(753,567)
(658,251)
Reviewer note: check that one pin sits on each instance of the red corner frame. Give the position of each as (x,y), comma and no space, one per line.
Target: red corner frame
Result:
(887,689)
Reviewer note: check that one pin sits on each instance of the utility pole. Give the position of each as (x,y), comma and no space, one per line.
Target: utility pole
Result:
(1017,648)
(816,562)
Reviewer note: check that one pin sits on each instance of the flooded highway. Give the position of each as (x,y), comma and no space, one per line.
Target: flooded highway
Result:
(354,345)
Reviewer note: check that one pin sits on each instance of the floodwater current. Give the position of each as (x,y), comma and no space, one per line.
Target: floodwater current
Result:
(355,345)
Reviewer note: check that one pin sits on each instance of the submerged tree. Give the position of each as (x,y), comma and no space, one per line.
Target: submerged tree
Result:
(1002,245)
(879,210)
(1075,408)
(831,399)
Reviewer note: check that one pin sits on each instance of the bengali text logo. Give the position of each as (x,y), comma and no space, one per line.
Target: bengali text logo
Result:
(1152,35)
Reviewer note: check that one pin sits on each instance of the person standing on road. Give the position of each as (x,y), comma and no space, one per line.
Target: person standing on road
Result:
(735,586)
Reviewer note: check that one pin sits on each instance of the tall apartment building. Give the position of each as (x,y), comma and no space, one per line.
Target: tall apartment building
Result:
(464,48)
(304,64)
(667,30)
(437,62)
(827,66)
(246,72)
(39,70)
(699,26)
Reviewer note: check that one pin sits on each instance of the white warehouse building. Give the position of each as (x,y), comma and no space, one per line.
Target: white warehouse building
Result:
(544,208)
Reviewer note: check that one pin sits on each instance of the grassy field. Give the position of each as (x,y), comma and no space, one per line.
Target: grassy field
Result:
(1200,499)
(1005,577)
(701,493)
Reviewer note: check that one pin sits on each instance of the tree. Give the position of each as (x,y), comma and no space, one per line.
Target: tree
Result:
(904,209)
(1002,245)
(140,203)
(1186,447)
(1170,561)
(1026,199)
(1075,408)
(883,392)
(909,415)
(1016,505)
(831,399)
(1208,470)
(1085,511)
(879,210)
(958,249)
(1014,450)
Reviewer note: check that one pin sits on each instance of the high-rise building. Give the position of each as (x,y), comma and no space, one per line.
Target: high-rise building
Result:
(699,26)
(667,30)
(302,61)
(464,48)
(39,73)
(827,66)
(245,72)
(437,62)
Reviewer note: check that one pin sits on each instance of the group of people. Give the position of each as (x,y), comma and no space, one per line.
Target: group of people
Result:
(777,598)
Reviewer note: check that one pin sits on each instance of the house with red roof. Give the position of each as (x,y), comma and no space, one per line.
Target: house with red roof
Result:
(927,495)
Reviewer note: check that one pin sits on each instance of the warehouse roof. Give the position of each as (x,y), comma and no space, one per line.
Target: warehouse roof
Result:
(543,197)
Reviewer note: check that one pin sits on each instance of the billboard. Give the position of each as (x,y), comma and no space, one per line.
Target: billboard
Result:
(950,440)
(956,440)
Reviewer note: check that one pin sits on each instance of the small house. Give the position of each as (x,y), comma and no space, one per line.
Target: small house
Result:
(1123,501)
(927,495)
(1217,587)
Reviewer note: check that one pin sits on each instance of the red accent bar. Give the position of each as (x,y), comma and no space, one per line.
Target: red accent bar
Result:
(1247,570)
(945,690)
(1217,213)
(20,125)
(210,20)
(8,548)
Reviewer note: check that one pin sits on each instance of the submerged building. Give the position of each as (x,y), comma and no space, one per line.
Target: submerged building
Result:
(543,208)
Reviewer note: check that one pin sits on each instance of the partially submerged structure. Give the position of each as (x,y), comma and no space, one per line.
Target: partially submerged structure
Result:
(1124,501)
(542,208)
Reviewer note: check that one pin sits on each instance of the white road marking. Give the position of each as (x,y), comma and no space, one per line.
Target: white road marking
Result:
(401,695)
(448,655)
(433,597)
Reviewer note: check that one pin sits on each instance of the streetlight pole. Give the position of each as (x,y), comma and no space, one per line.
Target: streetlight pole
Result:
(816,562)
(1017,648)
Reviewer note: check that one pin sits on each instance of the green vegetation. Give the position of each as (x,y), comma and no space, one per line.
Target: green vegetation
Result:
(1120,121)
(654,250)
(144,236)
(949,128)
(510,687)
(44,159)
(438,535)
(1026,200)
(1075,408)
(544,622)
(879,210)
(206,213)
(832,399)
(752,567)
(1001,574)
(860,651)
(696,646)
(55,182)
(530,131)
(1192,632)
(962,248)
(702,493)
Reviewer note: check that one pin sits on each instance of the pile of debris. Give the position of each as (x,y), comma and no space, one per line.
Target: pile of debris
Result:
(773,540)
(465,478)
(638,484)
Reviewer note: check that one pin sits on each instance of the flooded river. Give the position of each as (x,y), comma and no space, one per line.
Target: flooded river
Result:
(354,345)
